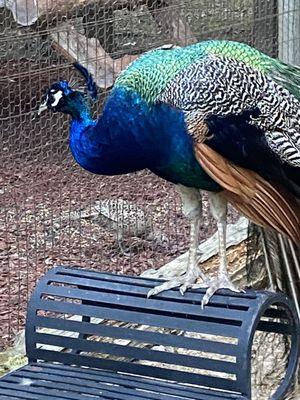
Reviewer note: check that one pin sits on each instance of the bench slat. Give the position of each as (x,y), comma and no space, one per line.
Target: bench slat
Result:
(142,290)
(136,353)
(180,341)
(9,392)
(221,297)
(29,392)
(126,299)
(139,318)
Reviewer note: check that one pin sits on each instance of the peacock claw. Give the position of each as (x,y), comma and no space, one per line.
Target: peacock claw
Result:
(221,282)
(190,284)
(184,282)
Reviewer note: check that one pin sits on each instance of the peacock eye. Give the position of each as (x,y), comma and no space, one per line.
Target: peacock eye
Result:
(55,97)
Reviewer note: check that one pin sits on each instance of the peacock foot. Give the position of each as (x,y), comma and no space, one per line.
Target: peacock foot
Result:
(184,282)
(125,251)
(221,282)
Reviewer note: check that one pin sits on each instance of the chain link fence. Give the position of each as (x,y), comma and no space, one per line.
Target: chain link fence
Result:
(51,211)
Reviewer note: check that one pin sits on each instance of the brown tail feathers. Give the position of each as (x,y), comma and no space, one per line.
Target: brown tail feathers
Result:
(250,194)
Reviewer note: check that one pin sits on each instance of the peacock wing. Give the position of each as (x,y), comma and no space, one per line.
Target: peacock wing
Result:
(232,78)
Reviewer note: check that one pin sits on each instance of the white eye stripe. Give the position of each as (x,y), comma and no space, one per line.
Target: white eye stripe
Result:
(57,96)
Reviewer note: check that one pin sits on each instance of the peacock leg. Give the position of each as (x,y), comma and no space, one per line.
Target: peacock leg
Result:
(192,208)
(218,205)
(125,252)
(120,237)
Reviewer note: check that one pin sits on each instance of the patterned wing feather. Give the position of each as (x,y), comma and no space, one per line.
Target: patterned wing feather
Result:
(232,78)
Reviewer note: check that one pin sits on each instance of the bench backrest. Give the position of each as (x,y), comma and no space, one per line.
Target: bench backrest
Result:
(105,321)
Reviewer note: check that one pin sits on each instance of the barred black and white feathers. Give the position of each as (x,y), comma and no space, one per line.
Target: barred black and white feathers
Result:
(219,85)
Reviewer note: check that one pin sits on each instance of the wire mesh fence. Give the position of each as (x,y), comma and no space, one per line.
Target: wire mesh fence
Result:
(51,211)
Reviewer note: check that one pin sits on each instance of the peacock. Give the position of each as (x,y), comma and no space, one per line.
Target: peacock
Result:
(216,116)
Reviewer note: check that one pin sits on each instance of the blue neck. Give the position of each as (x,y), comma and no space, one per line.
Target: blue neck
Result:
(105,146)
(132,135)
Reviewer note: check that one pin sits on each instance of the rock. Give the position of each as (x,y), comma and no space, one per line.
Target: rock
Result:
(14,357)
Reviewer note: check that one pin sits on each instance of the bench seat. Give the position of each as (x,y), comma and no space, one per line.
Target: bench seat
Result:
(44,381)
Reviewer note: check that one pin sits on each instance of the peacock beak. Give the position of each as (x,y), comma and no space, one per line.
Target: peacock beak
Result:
(43,107)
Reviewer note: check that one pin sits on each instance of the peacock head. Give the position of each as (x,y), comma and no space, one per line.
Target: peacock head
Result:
(63,98)
(58,98)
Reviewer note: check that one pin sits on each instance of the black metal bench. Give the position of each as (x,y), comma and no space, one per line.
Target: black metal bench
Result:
(163,348)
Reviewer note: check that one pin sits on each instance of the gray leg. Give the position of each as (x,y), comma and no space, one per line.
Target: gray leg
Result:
(125,252)
(192,209)
(218,206)
(120,236)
